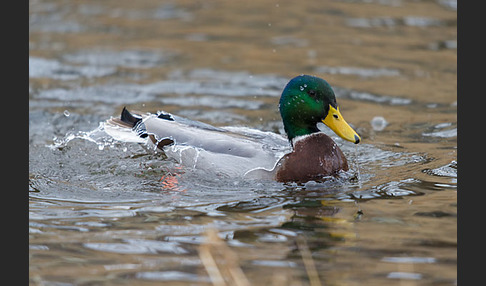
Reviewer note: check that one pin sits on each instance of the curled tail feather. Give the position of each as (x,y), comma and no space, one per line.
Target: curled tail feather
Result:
(129,118)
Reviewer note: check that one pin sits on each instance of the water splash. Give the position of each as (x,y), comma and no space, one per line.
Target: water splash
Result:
(97,136)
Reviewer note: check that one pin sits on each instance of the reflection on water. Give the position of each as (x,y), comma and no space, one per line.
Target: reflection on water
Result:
(106,212)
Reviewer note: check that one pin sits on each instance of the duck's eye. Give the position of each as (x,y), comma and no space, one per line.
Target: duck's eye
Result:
(312,92)
(335,116)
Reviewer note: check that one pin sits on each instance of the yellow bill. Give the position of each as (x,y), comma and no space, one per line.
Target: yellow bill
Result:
(336,122)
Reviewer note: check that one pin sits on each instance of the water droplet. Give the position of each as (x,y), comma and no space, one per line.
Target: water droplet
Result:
(357,167)
(66,113)
(378,123)
(301,88)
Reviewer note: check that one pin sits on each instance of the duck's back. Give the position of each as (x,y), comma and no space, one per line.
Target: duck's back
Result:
(230,151)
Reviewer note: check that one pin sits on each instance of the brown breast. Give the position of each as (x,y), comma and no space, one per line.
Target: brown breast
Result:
(313,158)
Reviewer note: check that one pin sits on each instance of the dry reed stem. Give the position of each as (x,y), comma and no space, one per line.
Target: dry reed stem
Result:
(220,262)
(309,265)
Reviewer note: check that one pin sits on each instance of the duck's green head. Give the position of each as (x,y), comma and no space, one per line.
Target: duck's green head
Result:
(308,100)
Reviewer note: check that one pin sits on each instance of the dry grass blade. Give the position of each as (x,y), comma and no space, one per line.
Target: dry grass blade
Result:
(221,262)
(310,267)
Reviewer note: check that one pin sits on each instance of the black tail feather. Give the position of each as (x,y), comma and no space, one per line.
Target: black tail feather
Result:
(166,116)
(129,118)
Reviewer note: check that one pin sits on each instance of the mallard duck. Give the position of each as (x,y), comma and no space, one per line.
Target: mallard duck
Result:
(306,154)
